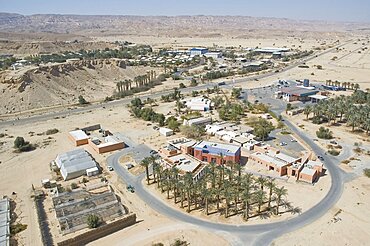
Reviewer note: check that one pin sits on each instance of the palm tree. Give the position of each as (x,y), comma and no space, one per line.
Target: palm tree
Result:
(271,186)
(356,87)
(261,181)
(175,182)
(189,188)
(227,193)
(145,163)
(280,193)
(259,197)
(307,110)
(153,160)
(247,198)
(206,194)
(213,173)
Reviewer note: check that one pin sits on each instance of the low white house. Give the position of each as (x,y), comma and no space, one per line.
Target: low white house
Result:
(198,121)
(199,104)
(165,131)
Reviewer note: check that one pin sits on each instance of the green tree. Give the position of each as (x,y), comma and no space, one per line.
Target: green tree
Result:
(262,129)
(280,193)
(93,221)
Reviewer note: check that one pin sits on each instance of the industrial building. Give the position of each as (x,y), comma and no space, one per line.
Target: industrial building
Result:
(218,153)
(198,51)
(102,141)
(295,93)
(79,137)
(75,163)
(200,121)
(271,50)
(4,222)
(214,55)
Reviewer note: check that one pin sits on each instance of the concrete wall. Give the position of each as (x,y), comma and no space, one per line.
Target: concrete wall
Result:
(100,232)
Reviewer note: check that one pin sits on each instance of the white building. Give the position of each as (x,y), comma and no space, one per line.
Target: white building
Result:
(74,163)
(214,55)
(198,121)
(199,104)
(165,131)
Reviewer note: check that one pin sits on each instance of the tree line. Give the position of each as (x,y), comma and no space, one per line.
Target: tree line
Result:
(353,110)
(223,189)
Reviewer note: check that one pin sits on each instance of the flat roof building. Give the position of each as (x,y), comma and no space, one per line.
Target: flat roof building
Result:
(295,93)
(217,152)
(74,163)
(4,222)
(79,137)
(198,121)
(199,104)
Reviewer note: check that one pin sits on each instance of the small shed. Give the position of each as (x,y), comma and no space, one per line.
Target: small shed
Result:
(92,171)
(165,131)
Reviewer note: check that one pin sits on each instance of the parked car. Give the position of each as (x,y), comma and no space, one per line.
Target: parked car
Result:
(110,168)
(153,152)
(320,157)
(333,142)
(283,144)
(293,140)
(130,188)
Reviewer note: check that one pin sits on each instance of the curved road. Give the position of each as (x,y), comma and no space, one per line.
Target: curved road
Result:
(261,234)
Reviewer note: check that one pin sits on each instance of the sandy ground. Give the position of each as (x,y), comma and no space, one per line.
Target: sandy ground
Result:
(20,171)
(347,223)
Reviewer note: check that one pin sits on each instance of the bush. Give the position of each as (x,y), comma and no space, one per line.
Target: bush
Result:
(85,180)
(23,146)
(333,152)
(81,100)
(181,85)
(74,186)
(17,228)
(324,133)
(51,131)
(93,221)
(367,172)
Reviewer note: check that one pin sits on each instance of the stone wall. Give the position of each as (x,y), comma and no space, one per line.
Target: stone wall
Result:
(100,232)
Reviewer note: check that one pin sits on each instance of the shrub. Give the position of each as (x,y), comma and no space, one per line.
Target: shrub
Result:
(51,131)
(81,100)
(17,228)
(93,221)
(367,172)
(181,85)
(85,180)
(324,133)
(333,152)
(21,145)
(74,186)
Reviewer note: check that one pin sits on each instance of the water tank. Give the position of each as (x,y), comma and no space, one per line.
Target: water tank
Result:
(306,83)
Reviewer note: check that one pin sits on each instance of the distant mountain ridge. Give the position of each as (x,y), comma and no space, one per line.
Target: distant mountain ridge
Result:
(57,23)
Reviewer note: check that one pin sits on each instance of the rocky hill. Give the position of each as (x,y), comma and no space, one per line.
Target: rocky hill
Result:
(160,25)
(61,84)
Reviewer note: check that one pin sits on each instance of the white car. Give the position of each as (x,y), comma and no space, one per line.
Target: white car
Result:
(110,168)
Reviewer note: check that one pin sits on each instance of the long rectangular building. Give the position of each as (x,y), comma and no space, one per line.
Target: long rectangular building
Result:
(4,222)
(74,163)
(218,153)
